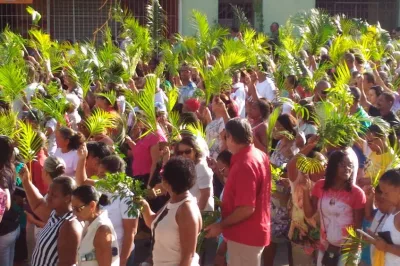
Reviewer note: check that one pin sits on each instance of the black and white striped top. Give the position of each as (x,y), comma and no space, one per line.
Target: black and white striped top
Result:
(45,253)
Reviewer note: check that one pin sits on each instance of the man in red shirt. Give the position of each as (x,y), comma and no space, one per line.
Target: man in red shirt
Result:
(245,221)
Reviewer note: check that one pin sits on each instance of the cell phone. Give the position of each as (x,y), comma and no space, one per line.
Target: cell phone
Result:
(365,234)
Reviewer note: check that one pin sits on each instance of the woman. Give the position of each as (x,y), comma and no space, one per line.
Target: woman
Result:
(390,186)
(176,226)
(304,232)
(58,241)
(98,246)
(68,141)
(215,128)
(373,93)
(124,225)
(381,157)
(202,190)
(291,83)
(339,203)
(258,112)
(285,132)
(9,226)
(53,167)
(146,153)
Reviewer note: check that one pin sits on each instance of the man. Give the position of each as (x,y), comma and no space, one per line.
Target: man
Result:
(350,62)
(368,81)
(187,87)
(239,94)
(320,92)
(245,220)
(265,86)
(274,28)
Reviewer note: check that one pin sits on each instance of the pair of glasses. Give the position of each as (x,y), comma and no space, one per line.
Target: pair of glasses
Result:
(187,152)
(78,209)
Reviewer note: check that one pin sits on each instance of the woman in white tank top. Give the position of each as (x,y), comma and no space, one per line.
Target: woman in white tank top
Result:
(99,246)
(389,242)
(176,226)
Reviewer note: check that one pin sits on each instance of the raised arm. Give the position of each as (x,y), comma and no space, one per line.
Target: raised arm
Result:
(80,174)
(363,101)
(35,199)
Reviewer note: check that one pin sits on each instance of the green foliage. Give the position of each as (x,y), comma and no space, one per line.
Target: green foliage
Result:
(8,124)
(318,29)
(12,81)
(54,108)
(196,130)
(351,246)
(156,19)
(240,20)
(271,124)
(276,175)
(340,46)
(29,142)
(99,122)
(309,165)
(145,101)
(125,188)
(208,219)
(171,59)
(35,15)
(111,96)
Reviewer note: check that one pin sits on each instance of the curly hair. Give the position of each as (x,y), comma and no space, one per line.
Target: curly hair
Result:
(180,174)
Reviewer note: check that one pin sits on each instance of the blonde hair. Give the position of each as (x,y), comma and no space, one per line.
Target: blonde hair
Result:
(54,166)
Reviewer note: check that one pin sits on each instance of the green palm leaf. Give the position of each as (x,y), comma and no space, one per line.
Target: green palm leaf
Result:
(156,22)
(271,124)
(99,122)
(308,165)
(146,102)
(35,15)
(172,94)
(240,20)
(54,108)
(171,59)
(196,130)
(111,96)
(340,45)
(29,142)
(8,124)
(12,81)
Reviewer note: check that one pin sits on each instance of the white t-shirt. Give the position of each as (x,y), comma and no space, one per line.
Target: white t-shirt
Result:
(239,96)
(266,89)
(71,161)
(204,179)
(51,139)
(30,90)
(117,211)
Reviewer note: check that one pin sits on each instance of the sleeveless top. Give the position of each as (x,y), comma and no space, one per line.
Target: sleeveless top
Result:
(166,242)
(86,251)
(45,252)
(303,231)
(391,259)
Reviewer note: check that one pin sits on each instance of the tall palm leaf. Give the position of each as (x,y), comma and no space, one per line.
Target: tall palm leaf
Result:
(8,124)
(29,142)
(35,15)
(55,108)
(271,124)
(340,45)
(156,19)
(171,59)
(99,122)
(240,20)
(172,95)
(146,102)
(256,47)
(12,81)
(318,29)
(11,46)
(111,96)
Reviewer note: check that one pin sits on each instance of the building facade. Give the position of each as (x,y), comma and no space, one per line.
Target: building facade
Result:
(79,19)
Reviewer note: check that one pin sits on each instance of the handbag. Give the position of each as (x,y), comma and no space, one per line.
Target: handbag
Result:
(332,254)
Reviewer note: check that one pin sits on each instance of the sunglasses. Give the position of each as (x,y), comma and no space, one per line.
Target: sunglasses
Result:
(187,152)
(78,209)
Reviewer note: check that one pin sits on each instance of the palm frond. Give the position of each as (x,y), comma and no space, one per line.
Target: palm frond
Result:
(308,165)
(171,59)
(240,20)
(35,15)
(351,246)
(340,45)
(8,124)
(29,142)
(13,81)
(174,120)
(54,108)
(196,130)
(256,47)
(99,122)
(156,22)
(111,96)
(318,29)
(271,124)
(146,102)
(172,95)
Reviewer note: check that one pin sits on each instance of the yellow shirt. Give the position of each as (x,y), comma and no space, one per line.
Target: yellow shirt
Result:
(378,164)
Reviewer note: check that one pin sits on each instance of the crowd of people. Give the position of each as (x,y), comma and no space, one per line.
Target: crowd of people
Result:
(215,153)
